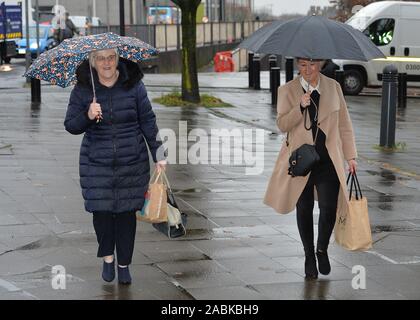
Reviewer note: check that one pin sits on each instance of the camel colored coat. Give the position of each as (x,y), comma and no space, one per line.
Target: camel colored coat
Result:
(284,191)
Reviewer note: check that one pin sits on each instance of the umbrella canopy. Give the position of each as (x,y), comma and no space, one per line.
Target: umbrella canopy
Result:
(256,39)
(312,37)
(58,66)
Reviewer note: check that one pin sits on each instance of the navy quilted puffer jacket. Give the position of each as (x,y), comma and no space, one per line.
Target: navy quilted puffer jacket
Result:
(114,162)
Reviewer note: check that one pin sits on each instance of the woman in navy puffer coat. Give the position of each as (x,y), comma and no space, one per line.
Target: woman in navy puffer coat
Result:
(114,163)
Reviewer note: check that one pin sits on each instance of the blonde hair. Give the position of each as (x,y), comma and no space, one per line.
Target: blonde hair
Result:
(321,61)
(92,56)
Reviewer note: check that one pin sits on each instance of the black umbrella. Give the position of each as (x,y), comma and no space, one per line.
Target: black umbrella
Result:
(312,37)
(254,41)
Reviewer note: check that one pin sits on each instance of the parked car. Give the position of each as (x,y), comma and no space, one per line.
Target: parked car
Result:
(46,41)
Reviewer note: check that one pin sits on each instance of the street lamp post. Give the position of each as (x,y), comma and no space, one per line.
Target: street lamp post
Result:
(122,18)
(27,52)
(36,83)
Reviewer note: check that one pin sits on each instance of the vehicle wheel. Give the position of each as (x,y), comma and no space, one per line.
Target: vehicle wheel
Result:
(353,82)
(7,60)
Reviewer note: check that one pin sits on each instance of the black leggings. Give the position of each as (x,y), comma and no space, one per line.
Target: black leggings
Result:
(115,231)
(327,185)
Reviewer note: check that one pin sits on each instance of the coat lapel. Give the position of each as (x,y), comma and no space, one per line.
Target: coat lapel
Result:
(328,100)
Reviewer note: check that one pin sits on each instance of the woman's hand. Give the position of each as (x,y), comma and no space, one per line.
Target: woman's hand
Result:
(352,166)
(305,100)
(95,111)
(161,165)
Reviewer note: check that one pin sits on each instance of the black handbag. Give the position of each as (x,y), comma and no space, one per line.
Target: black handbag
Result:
(304,158)
(172,231)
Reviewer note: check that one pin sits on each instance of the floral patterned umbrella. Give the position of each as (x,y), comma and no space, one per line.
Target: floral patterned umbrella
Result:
(58,66)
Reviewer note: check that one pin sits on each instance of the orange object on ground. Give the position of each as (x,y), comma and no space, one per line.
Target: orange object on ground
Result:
(223,62)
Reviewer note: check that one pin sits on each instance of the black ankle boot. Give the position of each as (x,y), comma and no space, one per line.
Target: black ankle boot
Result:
(124,276)
(323,262)
(311,271)
(108,271)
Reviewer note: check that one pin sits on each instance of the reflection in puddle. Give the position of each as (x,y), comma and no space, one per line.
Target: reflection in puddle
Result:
(316,290)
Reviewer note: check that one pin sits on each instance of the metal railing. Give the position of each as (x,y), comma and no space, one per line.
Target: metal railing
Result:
(168,37)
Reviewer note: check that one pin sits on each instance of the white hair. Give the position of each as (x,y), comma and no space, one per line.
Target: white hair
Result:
(93,54)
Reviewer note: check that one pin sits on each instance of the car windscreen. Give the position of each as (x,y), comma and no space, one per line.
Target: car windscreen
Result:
(32,32)
(358,22)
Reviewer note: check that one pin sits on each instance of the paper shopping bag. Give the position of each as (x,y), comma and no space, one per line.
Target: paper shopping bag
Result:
(155,205)
(352,231)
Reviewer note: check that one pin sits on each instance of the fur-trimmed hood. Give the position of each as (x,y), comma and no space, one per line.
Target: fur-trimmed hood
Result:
(130,74)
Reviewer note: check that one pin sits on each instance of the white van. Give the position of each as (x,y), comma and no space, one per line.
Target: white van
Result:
(394,27)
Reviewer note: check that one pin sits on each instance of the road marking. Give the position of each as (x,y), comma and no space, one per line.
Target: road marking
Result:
(12,288)
(382,256)
(391,260)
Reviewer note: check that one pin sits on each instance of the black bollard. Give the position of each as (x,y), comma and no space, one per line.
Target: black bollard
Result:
(339,77)
(289,69)
(389,104)
(256,72)
(402,90)
(250,69)
(275,75)
(35,90)
(272,62)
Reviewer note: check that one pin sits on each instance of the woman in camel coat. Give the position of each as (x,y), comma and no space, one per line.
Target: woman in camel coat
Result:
(335,144)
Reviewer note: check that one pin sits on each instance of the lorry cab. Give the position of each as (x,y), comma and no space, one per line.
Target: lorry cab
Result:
(394,27)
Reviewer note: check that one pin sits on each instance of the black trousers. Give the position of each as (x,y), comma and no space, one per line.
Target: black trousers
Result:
(324,178)
(115,231)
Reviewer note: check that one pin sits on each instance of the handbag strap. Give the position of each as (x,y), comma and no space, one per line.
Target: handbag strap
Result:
(165,180)
(155,176)
(315,118)
(358,185)
(305,114)
(351,178)
(354,182)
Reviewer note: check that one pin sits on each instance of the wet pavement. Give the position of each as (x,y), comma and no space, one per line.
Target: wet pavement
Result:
(236,247)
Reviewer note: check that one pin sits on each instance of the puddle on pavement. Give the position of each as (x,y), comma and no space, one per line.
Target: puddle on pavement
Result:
(55,241)
(386,206)
(388,175)
(47,242)
(317,290)
(377,229)
(386,198)
(192,190)
(202,233)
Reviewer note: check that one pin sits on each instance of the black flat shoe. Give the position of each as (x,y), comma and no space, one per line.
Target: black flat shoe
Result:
(108,271)
(311,271)
(323,262)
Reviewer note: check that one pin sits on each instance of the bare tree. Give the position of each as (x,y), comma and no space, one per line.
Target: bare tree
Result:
(344,7)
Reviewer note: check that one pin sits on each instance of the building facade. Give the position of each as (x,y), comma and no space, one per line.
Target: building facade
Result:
(152,11)
(106,10)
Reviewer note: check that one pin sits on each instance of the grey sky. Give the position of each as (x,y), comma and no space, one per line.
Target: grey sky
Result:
(289,6)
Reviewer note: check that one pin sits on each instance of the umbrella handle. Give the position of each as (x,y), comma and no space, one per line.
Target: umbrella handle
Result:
(93,82)
(98,119)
